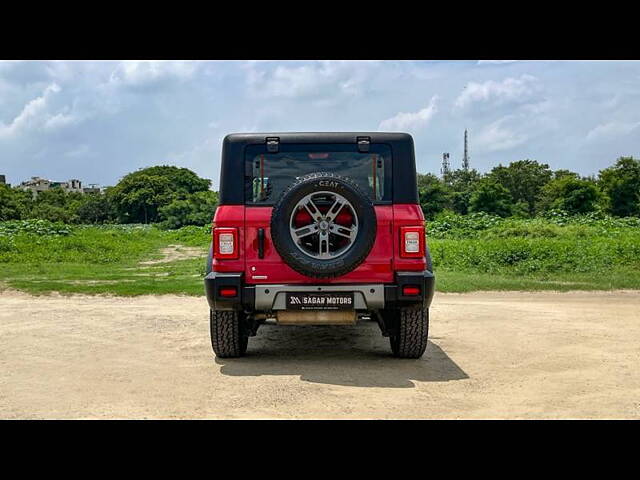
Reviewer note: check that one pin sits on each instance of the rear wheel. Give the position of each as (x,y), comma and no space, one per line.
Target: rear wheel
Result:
(228,337)
(411,330)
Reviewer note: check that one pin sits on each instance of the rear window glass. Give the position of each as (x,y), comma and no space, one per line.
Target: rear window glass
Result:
(267,175)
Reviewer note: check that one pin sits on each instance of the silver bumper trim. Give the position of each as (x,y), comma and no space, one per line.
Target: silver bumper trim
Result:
(366,297)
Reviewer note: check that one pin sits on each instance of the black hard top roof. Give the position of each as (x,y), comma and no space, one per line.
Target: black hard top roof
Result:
(318,137)
(233,150)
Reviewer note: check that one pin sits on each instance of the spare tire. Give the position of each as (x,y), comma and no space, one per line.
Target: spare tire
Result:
(323,225)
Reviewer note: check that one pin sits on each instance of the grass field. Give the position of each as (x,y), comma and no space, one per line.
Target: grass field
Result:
(106,259)
(476,252)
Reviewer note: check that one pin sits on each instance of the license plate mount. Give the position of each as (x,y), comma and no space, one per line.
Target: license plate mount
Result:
(320,301)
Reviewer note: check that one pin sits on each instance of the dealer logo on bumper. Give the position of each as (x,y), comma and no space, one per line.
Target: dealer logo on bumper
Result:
(320,301)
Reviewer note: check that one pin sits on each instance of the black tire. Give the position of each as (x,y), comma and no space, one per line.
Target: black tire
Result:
(305,264)
(228,337)
(412,330)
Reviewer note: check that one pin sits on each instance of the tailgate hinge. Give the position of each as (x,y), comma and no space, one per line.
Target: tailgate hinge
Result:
(363,144)
(273,144)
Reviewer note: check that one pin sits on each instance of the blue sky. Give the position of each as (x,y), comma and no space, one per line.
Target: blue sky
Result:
(98,120)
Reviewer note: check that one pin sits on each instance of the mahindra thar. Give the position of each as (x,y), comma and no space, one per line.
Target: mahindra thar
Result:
(318,229)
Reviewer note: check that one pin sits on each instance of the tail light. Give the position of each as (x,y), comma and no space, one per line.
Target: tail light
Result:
(225,242)
(228,291)
(411,290)
(412,242)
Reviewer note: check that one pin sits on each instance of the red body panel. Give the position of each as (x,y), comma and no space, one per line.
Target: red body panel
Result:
(230,216)
(379,266)
(406,215)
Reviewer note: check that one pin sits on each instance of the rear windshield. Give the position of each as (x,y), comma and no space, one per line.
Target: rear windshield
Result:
(267,175)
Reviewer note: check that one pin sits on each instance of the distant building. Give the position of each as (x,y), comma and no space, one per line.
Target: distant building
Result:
(37,184)
(73,185)
(3,180)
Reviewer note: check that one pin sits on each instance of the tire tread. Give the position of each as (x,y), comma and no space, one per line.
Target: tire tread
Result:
(227,338)
(413,332)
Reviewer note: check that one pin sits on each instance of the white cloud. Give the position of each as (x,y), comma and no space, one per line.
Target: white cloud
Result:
(542,107)
(60,120)
(495,62)
(33,115)
(410,121)
(135,114)
(308,80)
(81,151)
(139,74)
(611,130)
(497,137)
(508,90)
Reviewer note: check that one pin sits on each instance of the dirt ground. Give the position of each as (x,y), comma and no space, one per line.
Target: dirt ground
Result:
(491,355)
(176,252)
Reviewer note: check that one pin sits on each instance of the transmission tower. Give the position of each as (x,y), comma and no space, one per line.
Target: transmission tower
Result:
(446,166)
(465,159)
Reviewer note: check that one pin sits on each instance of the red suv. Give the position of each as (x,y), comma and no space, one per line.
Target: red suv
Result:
(319,229)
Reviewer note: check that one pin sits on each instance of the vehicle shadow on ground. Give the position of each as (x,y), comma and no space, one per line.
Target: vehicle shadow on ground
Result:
(350,356)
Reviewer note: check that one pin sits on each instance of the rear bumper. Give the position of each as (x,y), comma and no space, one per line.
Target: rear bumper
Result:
(271,297)
(394,298)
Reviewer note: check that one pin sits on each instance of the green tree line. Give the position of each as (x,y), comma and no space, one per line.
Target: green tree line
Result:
(168,195)
(175,197)
(527,188)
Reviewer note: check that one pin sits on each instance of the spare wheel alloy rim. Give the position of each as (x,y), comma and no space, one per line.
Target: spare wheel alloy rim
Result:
(321,236)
